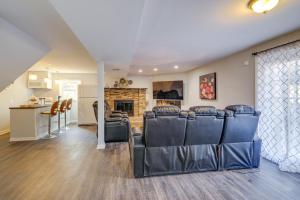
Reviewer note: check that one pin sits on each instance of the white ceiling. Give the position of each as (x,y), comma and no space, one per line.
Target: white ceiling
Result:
(156,33)
(39,19)
(143,34)
(195,32)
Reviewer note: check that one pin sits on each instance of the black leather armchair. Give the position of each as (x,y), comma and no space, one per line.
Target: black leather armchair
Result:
(239,147)
(116,127)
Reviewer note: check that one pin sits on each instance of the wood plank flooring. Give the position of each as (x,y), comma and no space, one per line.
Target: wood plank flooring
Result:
(69,167)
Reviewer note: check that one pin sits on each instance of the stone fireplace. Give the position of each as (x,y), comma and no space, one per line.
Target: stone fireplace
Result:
(125,106)
(127,98)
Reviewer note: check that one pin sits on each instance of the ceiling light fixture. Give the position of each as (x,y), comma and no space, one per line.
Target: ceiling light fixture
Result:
(155,69)
(262,6)
(33,77)
(140,70)
(176,67)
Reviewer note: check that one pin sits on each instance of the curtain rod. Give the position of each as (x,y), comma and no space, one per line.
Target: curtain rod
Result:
(258,52)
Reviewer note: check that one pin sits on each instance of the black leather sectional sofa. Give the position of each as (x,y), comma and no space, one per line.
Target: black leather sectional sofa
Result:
(201,139)
(116,126)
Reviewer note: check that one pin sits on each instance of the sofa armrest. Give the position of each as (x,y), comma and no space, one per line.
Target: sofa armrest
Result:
(138,151)
(116,111)
(115,115)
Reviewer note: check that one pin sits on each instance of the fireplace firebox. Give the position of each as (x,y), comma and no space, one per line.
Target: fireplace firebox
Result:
(125,106)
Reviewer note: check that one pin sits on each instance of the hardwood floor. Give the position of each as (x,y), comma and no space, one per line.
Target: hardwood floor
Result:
(70,167)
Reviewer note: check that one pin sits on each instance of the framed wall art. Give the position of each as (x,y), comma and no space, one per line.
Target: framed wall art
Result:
(207,86)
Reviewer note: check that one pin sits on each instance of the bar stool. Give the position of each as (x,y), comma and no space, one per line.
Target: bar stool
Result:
(53,112)
(69,107)
(62,109)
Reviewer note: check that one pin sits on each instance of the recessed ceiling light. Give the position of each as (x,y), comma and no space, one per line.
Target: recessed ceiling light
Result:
(262,6)
(176,67)
(140,70)
(155,69)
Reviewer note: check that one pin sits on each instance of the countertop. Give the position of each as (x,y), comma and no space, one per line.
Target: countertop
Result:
(30,106)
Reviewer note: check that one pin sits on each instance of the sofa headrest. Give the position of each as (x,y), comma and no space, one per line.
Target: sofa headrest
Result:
(206,111)
(240,109)
(149,114)
(166,110)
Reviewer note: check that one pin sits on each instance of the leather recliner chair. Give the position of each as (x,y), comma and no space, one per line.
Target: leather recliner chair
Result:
(239,147)
(203,134)
(174,141)
(159,150)
(116,127)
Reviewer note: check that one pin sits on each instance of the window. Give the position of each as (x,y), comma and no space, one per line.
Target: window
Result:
(278,98)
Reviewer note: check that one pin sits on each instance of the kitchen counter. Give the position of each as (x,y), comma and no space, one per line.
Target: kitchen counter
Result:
(27,122)
(30,106)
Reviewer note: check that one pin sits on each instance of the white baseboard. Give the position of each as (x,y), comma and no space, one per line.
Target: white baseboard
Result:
(4,131)
(22,139)
(100,146)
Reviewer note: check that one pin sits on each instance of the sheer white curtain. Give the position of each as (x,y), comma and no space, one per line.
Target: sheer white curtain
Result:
(278,98)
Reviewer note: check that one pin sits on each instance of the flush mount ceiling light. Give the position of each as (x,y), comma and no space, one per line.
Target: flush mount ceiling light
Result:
(140,70)
(155,69)
(262,6)
(176,67)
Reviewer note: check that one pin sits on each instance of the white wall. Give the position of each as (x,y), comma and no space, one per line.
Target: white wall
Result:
(13,95)
(18,52)
(235,79)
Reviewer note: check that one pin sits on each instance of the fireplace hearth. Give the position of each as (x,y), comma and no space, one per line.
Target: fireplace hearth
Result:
(125,106)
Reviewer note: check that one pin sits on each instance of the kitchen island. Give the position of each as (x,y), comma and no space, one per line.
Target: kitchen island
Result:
(27,122)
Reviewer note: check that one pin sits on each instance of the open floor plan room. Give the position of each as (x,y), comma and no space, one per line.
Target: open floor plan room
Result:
(149,99)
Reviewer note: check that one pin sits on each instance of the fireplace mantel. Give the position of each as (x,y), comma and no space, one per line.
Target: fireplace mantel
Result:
(125,88)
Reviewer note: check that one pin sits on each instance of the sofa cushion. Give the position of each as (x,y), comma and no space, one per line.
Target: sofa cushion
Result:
(203,129)
(165,131)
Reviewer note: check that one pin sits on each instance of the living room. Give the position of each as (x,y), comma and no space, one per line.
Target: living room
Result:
(149,99)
